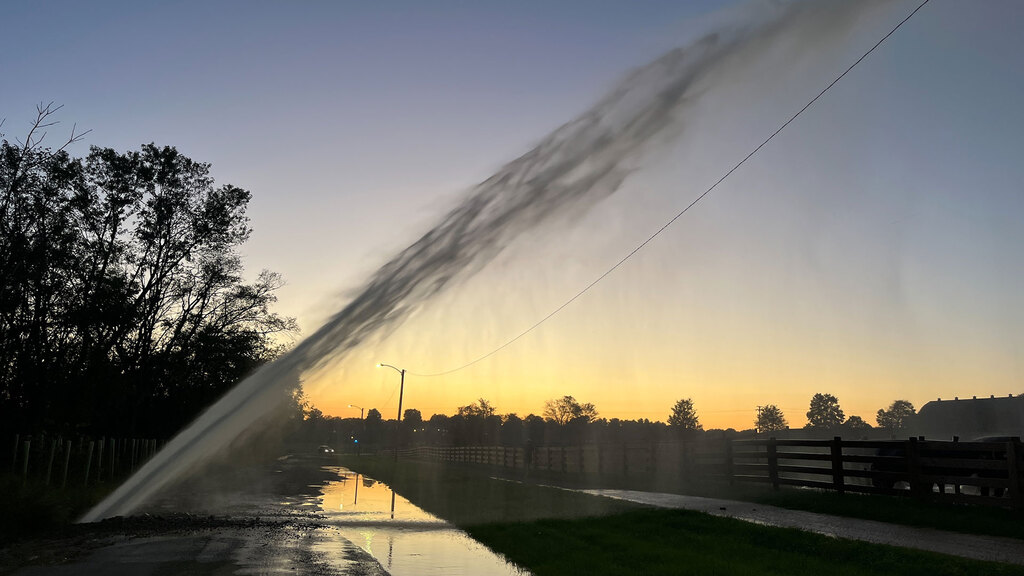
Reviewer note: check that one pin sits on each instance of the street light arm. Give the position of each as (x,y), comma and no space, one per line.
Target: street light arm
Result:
(395,368)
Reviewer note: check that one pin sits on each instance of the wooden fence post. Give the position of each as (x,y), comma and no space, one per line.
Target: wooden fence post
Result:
(67,463)
(914,467)
(88,461)
(837,465)
(773,463)
(1013,454)
(99,460)
(14,453)
(24,467)
(49,465)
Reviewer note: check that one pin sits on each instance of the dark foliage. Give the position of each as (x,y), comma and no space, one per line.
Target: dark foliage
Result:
(122,304)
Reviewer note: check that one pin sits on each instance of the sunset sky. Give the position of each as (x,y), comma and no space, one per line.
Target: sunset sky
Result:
(872,251)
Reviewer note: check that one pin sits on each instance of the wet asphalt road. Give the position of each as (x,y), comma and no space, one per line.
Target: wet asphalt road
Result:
(236,520)
(263,548)
(298,516)
(989,548)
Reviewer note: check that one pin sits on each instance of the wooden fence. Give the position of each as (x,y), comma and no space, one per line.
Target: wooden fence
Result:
(990,473)
(52,459)
(969,472)
(629,460)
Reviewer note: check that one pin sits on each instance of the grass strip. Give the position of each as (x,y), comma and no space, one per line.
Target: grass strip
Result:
(678,542)
(552,531)
(966,519)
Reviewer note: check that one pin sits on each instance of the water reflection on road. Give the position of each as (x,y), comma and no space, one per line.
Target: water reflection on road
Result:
(405,539)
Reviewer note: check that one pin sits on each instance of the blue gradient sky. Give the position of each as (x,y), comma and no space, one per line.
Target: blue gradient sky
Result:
(872,251)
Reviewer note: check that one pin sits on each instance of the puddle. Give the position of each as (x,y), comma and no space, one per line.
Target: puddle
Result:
(405,539)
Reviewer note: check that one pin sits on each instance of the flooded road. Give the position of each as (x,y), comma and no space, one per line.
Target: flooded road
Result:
(405,539)
(296,516)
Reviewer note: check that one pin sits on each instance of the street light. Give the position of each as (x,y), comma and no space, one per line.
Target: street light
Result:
(401,391)
(359,449)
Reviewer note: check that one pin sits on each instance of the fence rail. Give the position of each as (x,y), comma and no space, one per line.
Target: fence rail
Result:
(989,473)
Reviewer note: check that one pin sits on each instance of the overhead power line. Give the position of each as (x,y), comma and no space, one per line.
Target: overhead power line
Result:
(684,210)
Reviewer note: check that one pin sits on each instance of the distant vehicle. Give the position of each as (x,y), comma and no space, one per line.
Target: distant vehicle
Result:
(325,449)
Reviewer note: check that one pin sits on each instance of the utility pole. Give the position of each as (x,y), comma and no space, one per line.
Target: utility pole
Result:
(401,392)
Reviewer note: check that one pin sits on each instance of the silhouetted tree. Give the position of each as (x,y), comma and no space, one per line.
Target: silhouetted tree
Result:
(535,430)
(481,409)
(824,412)
(683,416)
(437,430)
(412,418)
(565,409)
(896,417)
(373,428)
(491,430)
(856,423)
(770,419)
(122,304)
(412,421)
(512,430)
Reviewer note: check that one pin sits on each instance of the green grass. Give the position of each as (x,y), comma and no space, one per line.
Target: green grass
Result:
(551,531)
(908,511)
(653,542)
(34,509)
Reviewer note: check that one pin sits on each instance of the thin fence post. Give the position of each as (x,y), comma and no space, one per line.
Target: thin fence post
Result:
(49,465)
(684,463)
(24,466)
(88,461)
(773,463)
(99,461)
(838,482)
(14,453)
(914,467)
(67,464)
(729,465)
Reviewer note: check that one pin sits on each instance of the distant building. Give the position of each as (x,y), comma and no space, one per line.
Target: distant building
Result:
(970,418)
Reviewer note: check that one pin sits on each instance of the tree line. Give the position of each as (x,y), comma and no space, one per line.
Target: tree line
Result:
(123,304)
(566,421)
